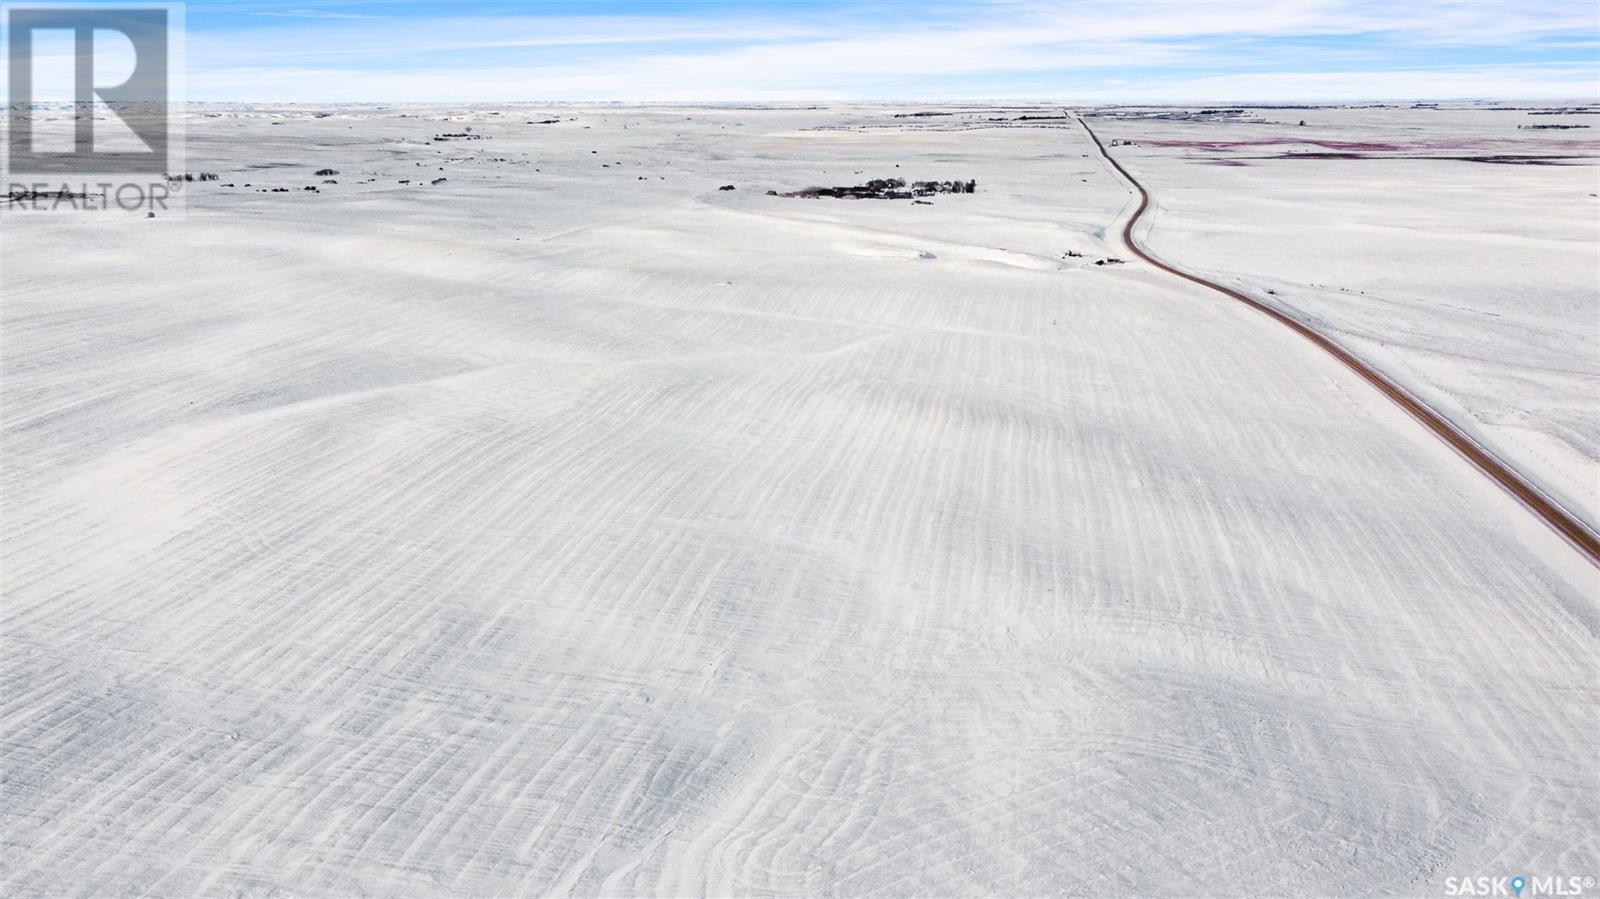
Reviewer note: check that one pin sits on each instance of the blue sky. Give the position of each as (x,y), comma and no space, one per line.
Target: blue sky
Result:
(669,50)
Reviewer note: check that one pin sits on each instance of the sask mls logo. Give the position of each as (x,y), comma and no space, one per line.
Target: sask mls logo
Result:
(1517,886)
(90,89)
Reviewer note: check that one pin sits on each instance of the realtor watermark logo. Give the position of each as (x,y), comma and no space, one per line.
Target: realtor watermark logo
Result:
(1519,886)
(94,106)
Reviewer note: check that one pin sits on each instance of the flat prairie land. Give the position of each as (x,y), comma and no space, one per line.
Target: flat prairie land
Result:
(521,514)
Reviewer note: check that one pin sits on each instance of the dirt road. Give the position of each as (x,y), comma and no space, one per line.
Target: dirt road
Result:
(1564,523)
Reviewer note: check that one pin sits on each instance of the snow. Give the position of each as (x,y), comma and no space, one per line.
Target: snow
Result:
(1474,283)
(551,531)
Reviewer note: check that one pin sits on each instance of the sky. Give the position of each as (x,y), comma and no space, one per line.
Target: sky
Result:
(336,51)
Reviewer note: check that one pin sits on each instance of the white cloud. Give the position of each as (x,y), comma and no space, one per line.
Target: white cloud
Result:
(518,84)
(314,14)
(1369,48)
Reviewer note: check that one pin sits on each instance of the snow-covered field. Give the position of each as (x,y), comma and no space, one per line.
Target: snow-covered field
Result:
(1472,281)
(572,526)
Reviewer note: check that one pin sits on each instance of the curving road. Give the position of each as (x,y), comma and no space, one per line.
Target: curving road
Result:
(1552,514)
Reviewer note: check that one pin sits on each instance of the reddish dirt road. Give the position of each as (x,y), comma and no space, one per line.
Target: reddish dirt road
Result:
(1562,522)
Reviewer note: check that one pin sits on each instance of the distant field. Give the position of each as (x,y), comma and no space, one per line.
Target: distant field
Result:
(519,512)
